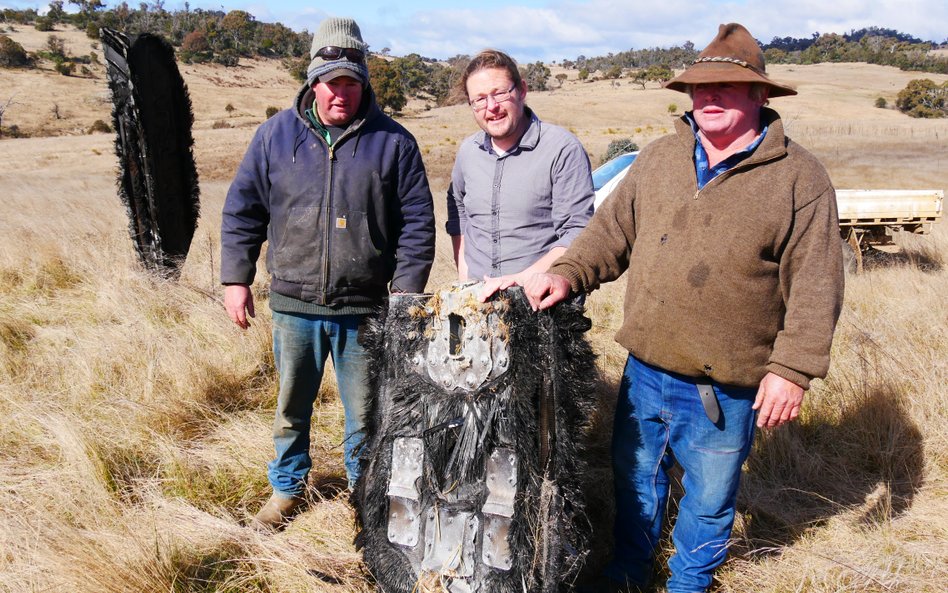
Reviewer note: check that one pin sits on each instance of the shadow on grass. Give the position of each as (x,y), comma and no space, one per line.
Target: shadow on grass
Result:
(598,484)
(919,257)
(224,394)
(325,486)
(128,466)
(868,460)
(217,396)
(222,570)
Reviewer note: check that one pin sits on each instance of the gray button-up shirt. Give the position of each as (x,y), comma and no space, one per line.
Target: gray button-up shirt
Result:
(513,209)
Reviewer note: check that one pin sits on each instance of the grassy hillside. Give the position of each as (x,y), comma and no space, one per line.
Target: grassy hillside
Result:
(135,418)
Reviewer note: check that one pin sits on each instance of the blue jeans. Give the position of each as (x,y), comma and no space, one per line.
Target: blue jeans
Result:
(301,344)
(660,419)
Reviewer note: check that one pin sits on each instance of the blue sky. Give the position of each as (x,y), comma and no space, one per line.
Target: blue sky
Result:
(550,30)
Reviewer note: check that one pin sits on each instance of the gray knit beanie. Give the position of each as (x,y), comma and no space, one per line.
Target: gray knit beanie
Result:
(339,32)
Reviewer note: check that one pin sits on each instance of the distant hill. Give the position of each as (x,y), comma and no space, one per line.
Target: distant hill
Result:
(872,45)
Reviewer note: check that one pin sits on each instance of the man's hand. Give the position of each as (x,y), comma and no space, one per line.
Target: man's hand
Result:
(239,304)
(492,285)
(778,401)
(545,290)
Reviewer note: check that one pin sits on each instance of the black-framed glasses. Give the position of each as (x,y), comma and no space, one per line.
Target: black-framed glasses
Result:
(480,103)
(331,52)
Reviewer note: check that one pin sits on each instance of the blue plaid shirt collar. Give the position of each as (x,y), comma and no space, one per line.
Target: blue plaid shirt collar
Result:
(706,173)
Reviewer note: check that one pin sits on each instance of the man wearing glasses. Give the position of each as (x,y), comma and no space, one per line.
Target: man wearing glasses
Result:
(340,192)
(520,191)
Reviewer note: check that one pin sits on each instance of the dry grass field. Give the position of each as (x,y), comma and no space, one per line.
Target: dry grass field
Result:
(135,418)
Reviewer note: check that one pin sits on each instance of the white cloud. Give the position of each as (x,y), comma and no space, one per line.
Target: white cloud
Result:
(567,28)
(563,29)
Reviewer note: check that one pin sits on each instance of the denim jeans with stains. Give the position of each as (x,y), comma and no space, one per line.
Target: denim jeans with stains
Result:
(659,420)
(301,345)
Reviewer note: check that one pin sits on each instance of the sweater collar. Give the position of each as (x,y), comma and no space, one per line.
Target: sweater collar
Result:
(774,144)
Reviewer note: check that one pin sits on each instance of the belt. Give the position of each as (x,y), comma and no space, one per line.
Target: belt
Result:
(710,402)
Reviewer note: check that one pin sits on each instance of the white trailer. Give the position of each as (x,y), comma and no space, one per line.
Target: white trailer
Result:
(871,217)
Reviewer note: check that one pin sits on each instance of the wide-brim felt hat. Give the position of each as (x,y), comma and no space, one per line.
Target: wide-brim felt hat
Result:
(732,56)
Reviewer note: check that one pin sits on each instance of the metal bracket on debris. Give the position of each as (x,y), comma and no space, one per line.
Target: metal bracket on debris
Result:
(468,347)
(499,508)
(404,507)
(449,542)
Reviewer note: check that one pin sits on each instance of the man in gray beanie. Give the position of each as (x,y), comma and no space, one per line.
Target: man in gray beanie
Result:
(337,50)
(340,192)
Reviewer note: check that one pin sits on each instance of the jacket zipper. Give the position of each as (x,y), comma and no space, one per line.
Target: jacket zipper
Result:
(710,182)
(327,244)
(328,230)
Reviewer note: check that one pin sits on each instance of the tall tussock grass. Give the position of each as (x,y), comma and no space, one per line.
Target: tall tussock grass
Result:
(135,421)
(853,496)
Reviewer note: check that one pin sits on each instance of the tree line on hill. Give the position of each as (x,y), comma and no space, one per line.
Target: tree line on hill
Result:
(224,38)
(394,80)
(634,61)
(200,35)
(873,45)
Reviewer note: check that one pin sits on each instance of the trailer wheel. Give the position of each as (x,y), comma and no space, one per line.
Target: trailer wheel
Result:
(852,252)
(852,259)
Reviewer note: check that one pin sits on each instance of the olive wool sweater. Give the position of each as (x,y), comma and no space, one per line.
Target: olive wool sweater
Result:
(740,278)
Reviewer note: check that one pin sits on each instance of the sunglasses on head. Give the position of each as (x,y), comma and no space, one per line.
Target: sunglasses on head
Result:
(331,52)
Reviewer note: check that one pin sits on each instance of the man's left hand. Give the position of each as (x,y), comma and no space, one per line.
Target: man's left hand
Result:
(778,401)
(492,285)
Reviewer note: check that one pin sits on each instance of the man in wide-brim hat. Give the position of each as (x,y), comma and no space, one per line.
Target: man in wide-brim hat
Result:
(735,285)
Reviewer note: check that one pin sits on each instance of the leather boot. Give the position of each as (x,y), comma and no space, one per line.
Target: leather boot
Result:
(278,511)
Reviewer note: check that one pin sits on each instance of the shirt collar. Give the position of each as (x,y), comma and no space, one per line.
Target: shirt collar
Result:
(689,117)
(529,140)
(314,119)
(704,171)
